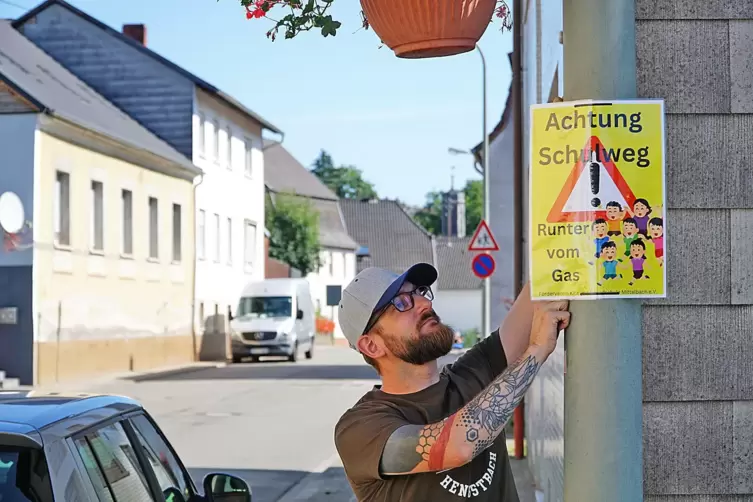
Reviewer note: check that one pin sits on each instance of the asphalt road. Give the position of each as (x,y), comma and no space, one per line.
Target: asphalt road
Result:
(270,422)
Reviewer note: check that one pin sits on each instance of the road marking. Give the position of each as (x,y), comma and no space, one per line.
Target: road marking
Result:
(326,464)
(296,490)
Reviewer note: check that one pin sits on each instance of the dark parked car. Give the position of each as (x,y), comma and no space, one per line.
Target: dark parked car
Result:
(90,448)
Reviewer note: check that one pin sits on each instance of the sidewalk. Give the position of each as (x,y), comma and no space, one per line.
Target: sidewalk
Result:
(332,486)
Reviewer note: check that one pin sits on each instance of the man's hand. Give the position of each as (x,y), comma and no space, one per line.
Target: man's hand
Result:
(548,319)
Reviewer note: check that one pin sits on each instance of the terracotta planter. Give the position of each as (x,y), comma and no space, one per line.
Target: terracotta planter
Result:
(429,28)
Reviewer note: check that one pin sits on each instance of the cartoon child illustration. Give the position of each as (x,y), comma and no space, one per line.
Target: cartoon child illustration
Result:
(615,215)
(631,233)
(641,210)
(609,252)
(637,257)
(599,228)
(656,231)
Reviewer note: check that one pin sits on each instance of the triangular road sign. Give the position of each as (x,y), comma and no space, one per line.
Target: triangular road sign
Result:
(577,200)
(483,240)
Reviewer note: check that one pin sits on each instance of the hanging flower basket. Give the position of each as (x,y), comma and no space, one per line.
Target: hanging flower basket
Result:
(429,28)
(411,28)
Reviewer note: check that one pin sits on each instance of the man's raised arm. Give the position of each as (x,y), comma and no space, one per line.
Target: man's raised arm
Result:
(459,438)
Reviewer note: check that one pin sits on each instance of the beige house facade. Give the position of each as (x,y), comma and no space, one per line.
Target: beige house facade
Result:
(113,264)
(99,279)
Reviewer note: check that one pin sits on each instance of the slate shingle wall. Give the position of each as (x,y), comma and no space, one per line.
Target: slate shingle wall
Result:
(158,98)
(698,343)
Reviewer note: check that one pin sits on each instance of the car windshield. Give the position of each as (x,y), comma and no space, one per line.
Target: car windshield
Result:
(265,306)
(20,471)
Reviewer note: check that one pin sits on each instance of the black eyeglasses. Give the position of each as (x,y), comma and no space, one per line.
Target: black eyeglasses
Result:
(403,302)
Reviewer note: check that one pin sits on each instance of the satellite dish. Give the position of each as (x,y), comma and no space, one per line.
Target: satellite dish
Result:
(11,212)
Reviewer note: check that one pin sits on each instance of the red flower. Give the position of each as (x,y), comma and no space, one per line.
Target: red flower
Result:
(256,13)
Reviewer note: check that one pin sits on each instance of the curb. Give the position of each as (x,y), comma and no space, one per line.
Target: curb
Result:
(167,372)
(135,377)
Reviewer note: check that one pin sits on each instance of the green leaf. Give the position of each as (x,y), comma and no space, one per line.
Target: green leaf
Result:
(294,227)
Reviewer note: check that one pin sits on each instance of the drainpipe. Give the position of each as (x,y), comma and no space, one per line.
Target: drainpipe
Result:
(517,90)
(193,275)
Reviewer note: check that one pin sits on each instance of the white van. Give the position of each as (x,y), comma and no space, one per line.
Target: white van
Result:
(275,317)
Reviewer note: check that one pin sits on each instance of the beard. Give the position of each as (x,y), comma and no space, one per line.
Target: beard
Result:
(426,346)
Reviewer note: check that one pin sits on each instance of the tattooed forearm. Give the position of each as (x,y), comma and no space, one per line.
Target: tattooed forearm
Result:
(483,419)
(460,437)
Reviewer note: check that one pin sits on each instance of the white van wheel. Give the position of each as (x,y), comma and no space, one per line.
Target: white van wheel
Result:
(310,352)
(294,356)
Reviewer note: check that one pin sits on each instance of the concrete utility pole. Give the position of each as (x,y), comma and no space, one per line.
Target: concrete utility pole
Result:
(603,384)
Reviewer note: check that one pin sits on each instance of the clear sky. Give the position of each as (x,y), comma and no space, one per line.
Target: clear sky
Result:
(394,119)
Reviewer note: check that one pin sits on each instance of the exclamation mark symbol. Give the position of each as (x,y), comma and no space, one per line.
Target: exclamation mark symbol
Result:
(595,170)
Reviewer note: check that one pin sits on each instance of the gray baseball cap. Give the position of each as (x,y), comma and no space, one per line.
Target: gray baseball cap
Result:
(372,290)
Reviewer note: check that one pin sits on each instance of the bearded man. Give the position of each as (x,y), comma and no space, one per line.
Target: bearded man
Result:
(426,435)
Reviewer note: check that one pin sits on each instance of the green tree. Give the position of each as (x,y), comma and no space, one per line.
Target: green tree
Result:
(474,205)
(430,216)
(346,181)
(294,227)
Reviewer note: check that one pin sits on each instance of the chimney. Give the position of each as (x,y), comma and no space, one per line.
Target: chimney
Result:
(135,31)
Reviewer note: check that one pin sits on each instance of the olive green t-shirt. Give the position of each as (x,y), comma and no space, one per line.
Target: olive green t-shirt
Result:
(362,432)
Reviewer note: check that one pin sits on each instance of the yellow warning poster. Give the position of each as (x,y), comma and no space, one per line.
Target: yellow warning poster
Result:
(597,200)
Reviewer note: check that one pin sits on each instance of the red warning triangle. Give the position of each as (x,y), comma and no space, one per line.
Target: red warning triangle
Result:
(580,199)
(483,240)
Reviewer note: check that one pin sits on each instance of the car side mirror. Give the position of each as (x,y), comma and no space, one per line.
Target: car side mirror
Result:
(226,488)
(299,315)
(172,494)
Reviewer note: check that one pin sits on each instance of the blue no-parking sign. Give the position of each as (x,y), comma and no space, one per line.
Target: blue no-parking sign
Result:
(483,265)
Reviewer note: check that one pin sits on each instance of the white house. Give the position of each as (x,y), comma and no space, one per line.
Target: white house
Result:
(285,174)
(210,128)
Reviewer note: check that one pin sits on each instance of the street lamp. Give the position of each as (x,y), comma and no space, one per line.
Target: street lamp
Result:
(458,151)
(484,171)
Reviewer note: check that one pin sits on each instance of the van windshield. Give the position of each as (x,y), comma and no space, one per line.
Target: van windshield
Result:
(266,306)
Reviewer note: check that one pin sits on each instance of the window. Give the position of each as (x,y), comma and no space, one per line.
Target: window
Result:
(229,146)
(177,234)
(112,465)
(250,243)
(62,208)
(216,238)
(153,229)
(165,465)
(127,197)
(23,468)
(202,135)
(249,152)
(216,144)
(96,234)
(201,237)
(229,241)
